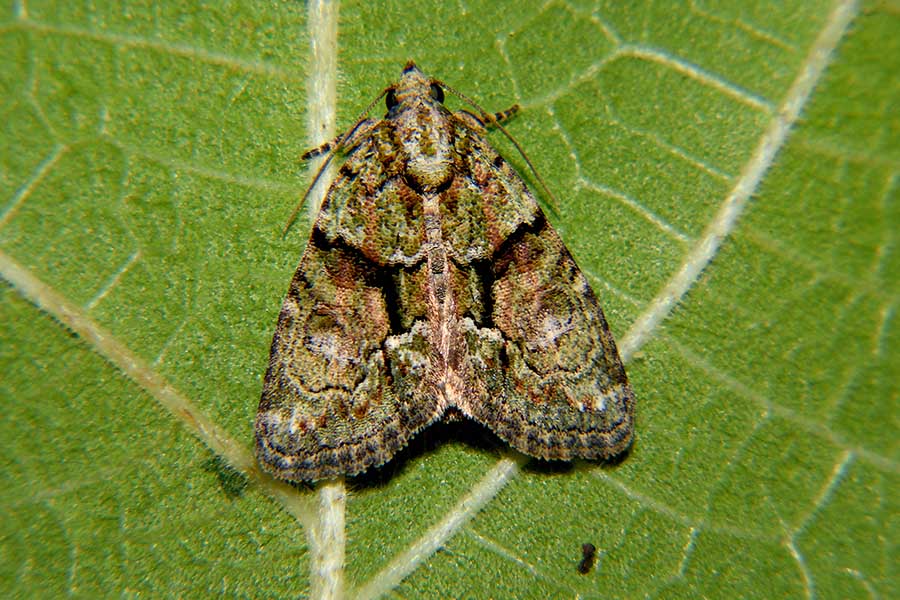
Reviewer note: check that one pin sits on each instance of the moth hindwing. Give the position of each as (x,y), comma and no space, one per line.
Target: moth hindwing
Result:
(431,281)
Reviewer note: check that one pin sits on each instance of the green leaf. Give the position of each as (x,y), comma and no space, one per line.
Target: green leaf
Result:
(699,152)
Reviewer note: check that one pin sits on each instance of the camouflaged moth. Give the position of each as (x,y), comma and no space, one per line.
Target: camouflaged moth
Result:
(433,283)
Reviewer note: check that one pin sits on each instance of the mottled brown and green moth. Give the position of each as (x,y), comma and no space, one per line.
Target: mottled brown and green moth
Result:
(432,282)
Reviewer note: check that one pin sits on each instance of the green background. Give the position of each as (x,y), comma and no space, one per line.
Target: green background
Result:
(150,159)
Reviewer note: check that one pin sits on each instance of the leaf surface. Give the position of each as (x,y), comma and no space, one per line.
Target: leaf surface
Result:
(151,158)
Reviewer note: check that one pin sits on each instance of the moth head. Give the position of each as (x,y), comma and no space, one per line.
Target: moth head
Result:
(414,86)
(435,91)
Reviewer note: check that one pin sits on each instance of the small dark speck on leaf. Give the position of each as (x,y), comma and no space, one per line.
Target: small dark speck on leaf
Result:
(588,557)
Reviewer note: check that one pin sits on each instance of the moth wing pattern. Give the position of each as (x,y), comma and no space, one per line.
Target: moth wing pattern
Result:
(562,391)
(329,405)
(433,281)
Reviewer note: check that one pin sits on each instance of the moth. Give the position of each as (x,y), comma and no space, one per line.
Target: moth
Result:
(432,285)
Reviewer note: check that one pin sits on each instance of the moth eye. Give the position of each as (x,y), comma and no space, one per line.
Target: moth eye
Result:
(437,92)
(391,99)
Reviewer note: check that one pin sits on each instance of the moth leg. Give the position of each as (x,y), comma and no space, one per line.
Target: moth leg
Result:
(506,115)
(475,121)
(323,149)
(348,139)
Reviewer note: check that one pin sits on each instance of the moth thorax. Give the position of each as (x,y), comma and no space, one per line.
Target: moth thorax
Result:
(428,154)
(429,172)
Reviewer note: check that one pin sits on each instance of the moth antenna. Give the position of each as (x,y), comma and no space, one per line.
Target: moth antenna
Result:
(336,148)
(489,118)
(299,205)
